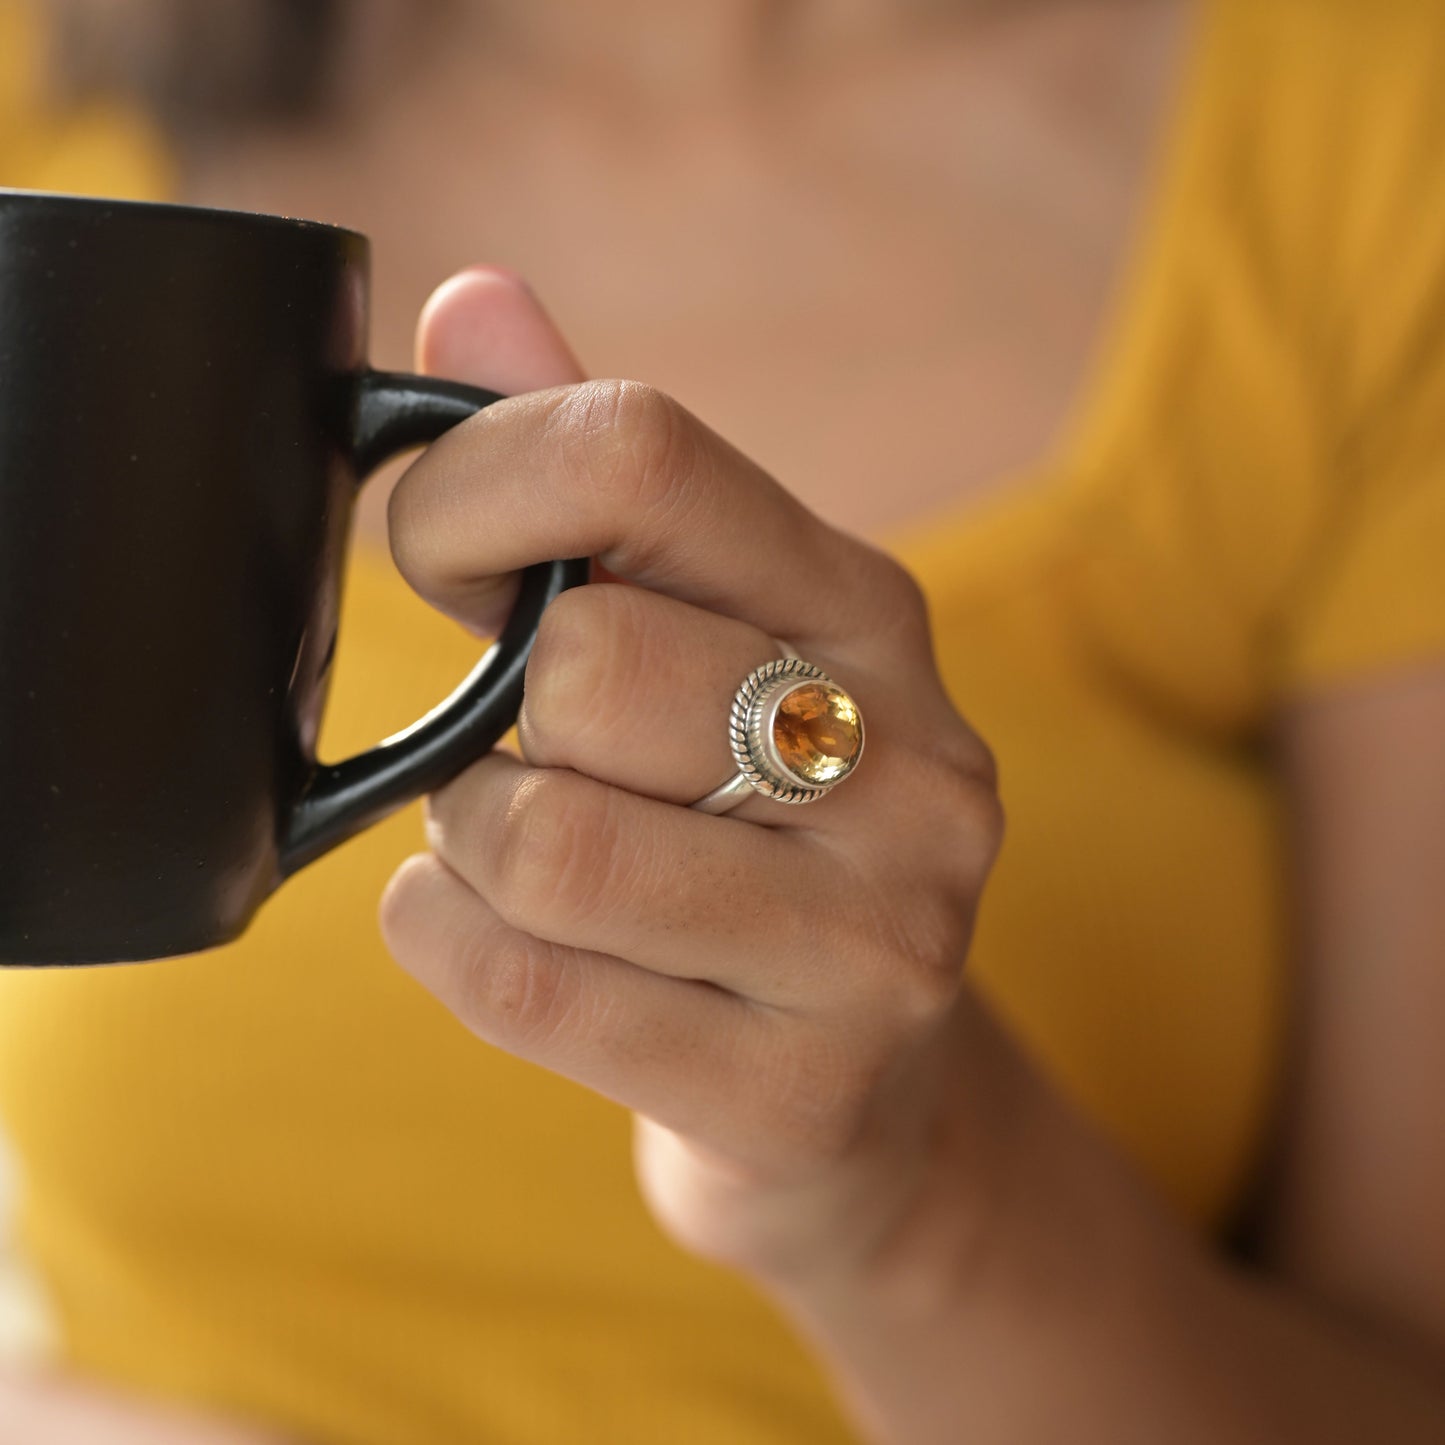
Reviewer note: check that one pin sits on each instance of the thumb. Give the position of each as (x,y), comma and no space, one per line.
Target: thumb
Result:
(486,327)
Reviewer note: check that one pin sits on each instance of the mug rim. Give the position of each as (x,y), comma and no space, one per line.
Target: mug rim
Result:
(263,219)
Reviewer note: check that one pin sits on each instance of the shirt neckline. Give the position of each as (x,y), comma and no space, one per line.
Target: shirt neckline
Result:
(1106,400)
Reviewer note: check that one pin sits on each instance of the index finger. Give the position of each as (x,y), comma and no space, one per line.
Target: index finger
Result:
(620,471)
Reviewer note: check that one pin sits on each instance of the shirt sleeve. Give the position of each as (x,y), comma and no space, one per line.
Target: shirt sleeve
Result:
(1370,595)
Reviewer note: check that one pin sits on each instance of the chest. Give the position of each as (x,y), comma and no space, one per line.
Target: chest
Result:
(880,348)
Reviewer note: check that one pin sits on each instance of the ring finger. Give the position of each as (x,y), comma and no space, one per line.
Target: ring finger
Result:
(634,688)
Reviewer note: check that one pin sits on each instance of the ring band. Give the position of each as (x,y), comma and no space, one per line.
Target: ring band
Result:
(794,735)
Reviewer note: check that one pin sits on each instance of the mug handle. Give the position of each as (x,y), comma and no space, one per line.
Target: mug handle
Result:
(393,411)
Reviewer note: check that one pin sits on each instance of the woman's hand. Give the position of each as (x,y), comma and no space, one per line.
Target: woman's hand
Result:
(773,991)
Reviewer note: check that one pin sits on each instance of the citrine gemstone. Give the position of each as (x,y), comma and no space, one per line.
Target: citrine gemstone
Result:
(818,733)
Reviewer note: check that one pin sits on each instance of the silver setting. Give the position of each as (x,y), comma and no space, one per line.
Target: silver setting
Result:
(750,736)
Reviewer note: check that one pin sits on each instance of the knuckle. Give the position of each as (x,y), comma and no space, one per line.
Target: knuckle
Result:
(925,962)
(507,987)
(522,996)
(552,847)
(906,598)
(819,1096)
(923,896)
(957,791)
(898,604)
(931,969)
(918,937)
(975,817)
(974,763)
(630,441)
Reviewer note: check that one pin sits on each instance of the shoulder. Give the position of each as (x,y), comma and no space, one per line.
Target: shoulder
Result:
(1329,173)
(1288,396)
(1333,154)
(1345,45)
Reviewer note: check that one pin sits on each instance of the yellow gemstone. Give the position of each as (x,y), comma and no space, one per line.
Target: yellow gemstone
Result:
(818,732)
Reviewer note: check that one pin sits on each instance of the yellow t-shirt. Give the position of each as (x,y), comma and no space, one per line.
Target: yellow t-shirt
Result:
(282,1181)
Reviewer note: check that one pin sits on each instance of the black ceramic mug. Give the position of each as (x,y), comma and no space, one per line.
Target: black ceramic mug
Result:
(185,413)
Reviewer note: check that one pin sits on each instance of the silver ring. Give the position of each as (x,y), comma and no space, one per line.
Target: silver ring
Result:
(794,735)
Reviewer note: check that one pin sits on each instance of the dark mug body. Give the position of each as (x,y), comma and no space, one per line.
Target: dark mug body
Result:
(185,414)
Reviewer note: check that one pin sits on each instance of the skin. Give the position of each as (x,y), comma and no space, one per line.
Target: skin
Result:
(858,1135)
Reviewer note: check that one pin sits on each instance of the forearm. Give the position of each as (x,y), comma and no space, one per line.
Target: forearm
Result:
(1039,1293)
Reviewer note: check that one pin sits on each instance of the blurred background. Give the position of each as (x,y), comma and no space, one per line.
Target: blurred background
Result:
(52,141)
